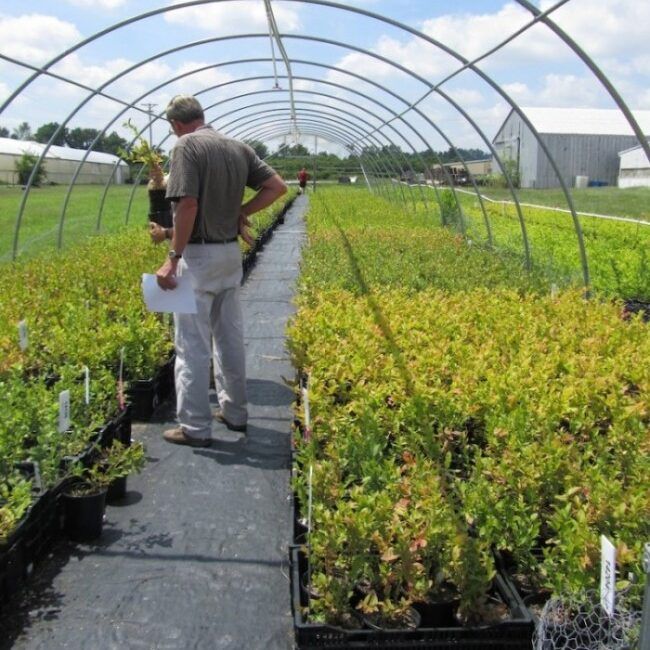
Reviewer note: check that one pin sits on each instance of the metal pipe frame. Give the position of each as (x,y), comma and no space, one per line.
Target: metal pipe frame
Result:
(538,17)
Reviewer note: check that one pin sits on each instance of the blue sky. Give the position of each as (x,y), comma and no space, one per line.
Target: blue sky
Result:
(536,69)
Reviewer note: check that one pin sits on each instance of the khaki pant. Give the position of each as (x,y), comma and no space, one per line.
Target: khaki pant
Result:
(216,273)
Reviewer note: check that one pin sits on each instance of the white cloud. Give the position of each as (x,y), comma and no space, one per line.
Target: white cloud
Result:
(36,38)
(471,35)
(558,90)
(617,28)
(101,4)
(240,17)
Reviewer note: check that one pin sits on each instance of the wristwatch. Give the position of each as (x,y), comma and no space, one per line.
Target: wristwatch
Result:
(173,255)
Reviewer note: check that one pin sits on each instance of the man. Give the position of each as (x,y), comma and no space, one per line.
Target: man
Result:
(207,178)
(303,177)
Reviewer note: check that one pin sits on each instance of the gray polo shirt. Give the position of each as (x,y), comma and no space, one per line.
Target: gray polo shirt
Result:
(215,170)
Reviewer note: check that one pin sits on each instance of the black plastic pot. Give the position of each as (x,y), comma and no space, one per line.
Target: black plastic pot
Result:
(160,210)
(439,614)
(116,490)
(83,516)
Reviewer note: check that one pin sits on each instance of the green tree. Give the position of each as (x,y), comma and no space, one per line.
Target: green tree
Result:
(112,143)
(260,148)
(22,132)
(46,131)
(81,138)
(24,166)
(4,132)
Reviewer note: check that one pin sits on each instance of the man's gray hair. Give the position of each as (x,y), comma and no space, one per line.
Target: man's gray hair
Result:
(185,109)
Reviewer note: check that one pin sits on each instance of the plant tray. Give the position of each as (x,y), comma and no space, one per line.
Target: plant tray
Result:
(514,634)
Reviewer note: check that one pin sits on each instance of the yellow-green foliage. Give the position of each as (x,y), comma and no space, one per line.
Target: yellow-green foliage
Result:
(526,413)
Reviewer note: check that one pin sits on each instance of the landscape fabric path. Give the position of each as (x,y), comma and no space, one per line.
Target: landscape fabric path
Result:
(196,557)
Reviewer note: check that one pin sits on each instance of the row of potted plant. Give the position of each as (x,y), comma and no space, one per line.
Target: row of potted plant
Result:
(86,332)
(449,422)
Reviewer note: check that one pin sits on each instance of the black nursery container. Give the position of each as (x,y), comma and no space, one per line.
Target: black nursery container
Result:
(160,210)
(83,516)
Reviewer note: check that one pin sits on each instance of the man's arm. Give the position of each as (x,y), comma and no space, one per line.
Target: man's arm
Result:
(271,189)
(184,217)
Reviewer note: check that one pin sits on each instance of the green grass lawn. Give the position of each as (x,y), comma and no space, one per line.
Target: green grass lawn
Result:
(39,228)
(631,202)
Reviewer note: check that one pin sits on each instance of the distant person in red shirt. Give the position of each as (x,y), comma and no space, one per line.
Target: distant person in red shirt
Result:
(303,177)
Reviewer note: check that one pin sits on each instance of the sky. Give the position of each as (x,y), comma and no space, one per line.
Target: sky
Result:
(412,93)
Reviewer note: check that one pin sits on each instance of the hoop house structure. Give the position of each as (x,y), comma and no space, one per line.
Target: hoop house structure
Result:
(460,380)
(297,79)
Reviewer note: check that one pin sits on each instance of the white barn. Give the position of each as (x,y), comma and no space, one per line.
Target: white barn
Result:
(634,170)
(61,163)
(584,142)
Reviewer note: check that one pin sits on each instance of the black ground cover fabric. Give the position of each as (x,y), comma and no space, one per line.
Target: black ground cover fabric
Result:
(196,557)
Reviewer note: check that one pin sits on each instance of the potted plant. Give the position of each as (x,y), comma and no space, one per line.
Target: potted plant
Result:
(85,497)
(142,152)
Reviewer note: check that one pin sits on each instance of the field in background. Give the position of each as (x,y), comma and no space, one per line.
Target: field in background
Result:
(40,221)
(632,202)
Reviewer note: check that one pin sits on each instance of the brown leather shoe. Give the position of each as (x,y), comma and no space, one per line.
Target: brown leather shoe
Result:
(219,417)
(179,437)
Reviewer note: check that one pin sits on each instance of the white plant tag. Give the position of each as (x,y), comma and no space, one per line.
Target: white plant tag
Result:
(87,384)
(121,398)
(64,410)
(607,575)
(23,339)
(554,290)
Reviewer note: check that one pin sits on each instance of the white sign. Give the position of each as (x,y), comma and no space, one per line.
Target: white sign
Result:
(64,411)
(22,335)
(87,384)
(607,575)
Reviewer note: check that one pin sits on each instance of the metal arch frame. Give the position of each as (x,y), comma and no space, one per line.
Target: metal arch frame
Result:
(155,57)
(467,65)
(97,92)
(240,130)
(600,75)
(351,133)
(243,80)
(275,33)
(347,103)
(478,130)
(251,129)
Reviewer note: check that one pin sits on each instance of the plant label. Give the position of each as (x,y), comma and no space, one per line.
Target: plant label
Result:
(121,399)
(607,575)
(22,335)
(87,383)
(554,290)
(64,410)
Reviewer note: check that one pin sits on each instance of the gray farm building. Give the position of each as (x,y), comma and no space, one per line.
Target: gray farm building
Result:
(61,163)
(584,142)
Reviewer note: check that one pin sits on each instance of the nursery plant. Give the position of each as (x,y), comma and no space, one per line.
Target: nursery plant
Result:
(525,411)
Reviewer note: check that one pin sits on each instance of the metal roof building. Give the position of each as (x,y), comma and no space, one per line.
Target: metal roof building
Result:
(634,169)
(584,142)
(61,163)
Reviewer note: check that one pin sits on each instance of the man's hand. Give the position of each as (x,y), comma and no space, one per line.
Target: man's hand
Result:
(157,232)
(244,225)
(166,275)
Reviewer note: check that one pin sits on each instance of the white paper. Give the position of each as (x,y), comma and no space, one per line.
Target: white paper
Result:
(607,575)
(179,300)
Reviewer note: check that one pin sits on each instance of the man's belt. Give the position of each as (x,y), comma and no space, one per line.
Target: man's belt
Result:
(203,240)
